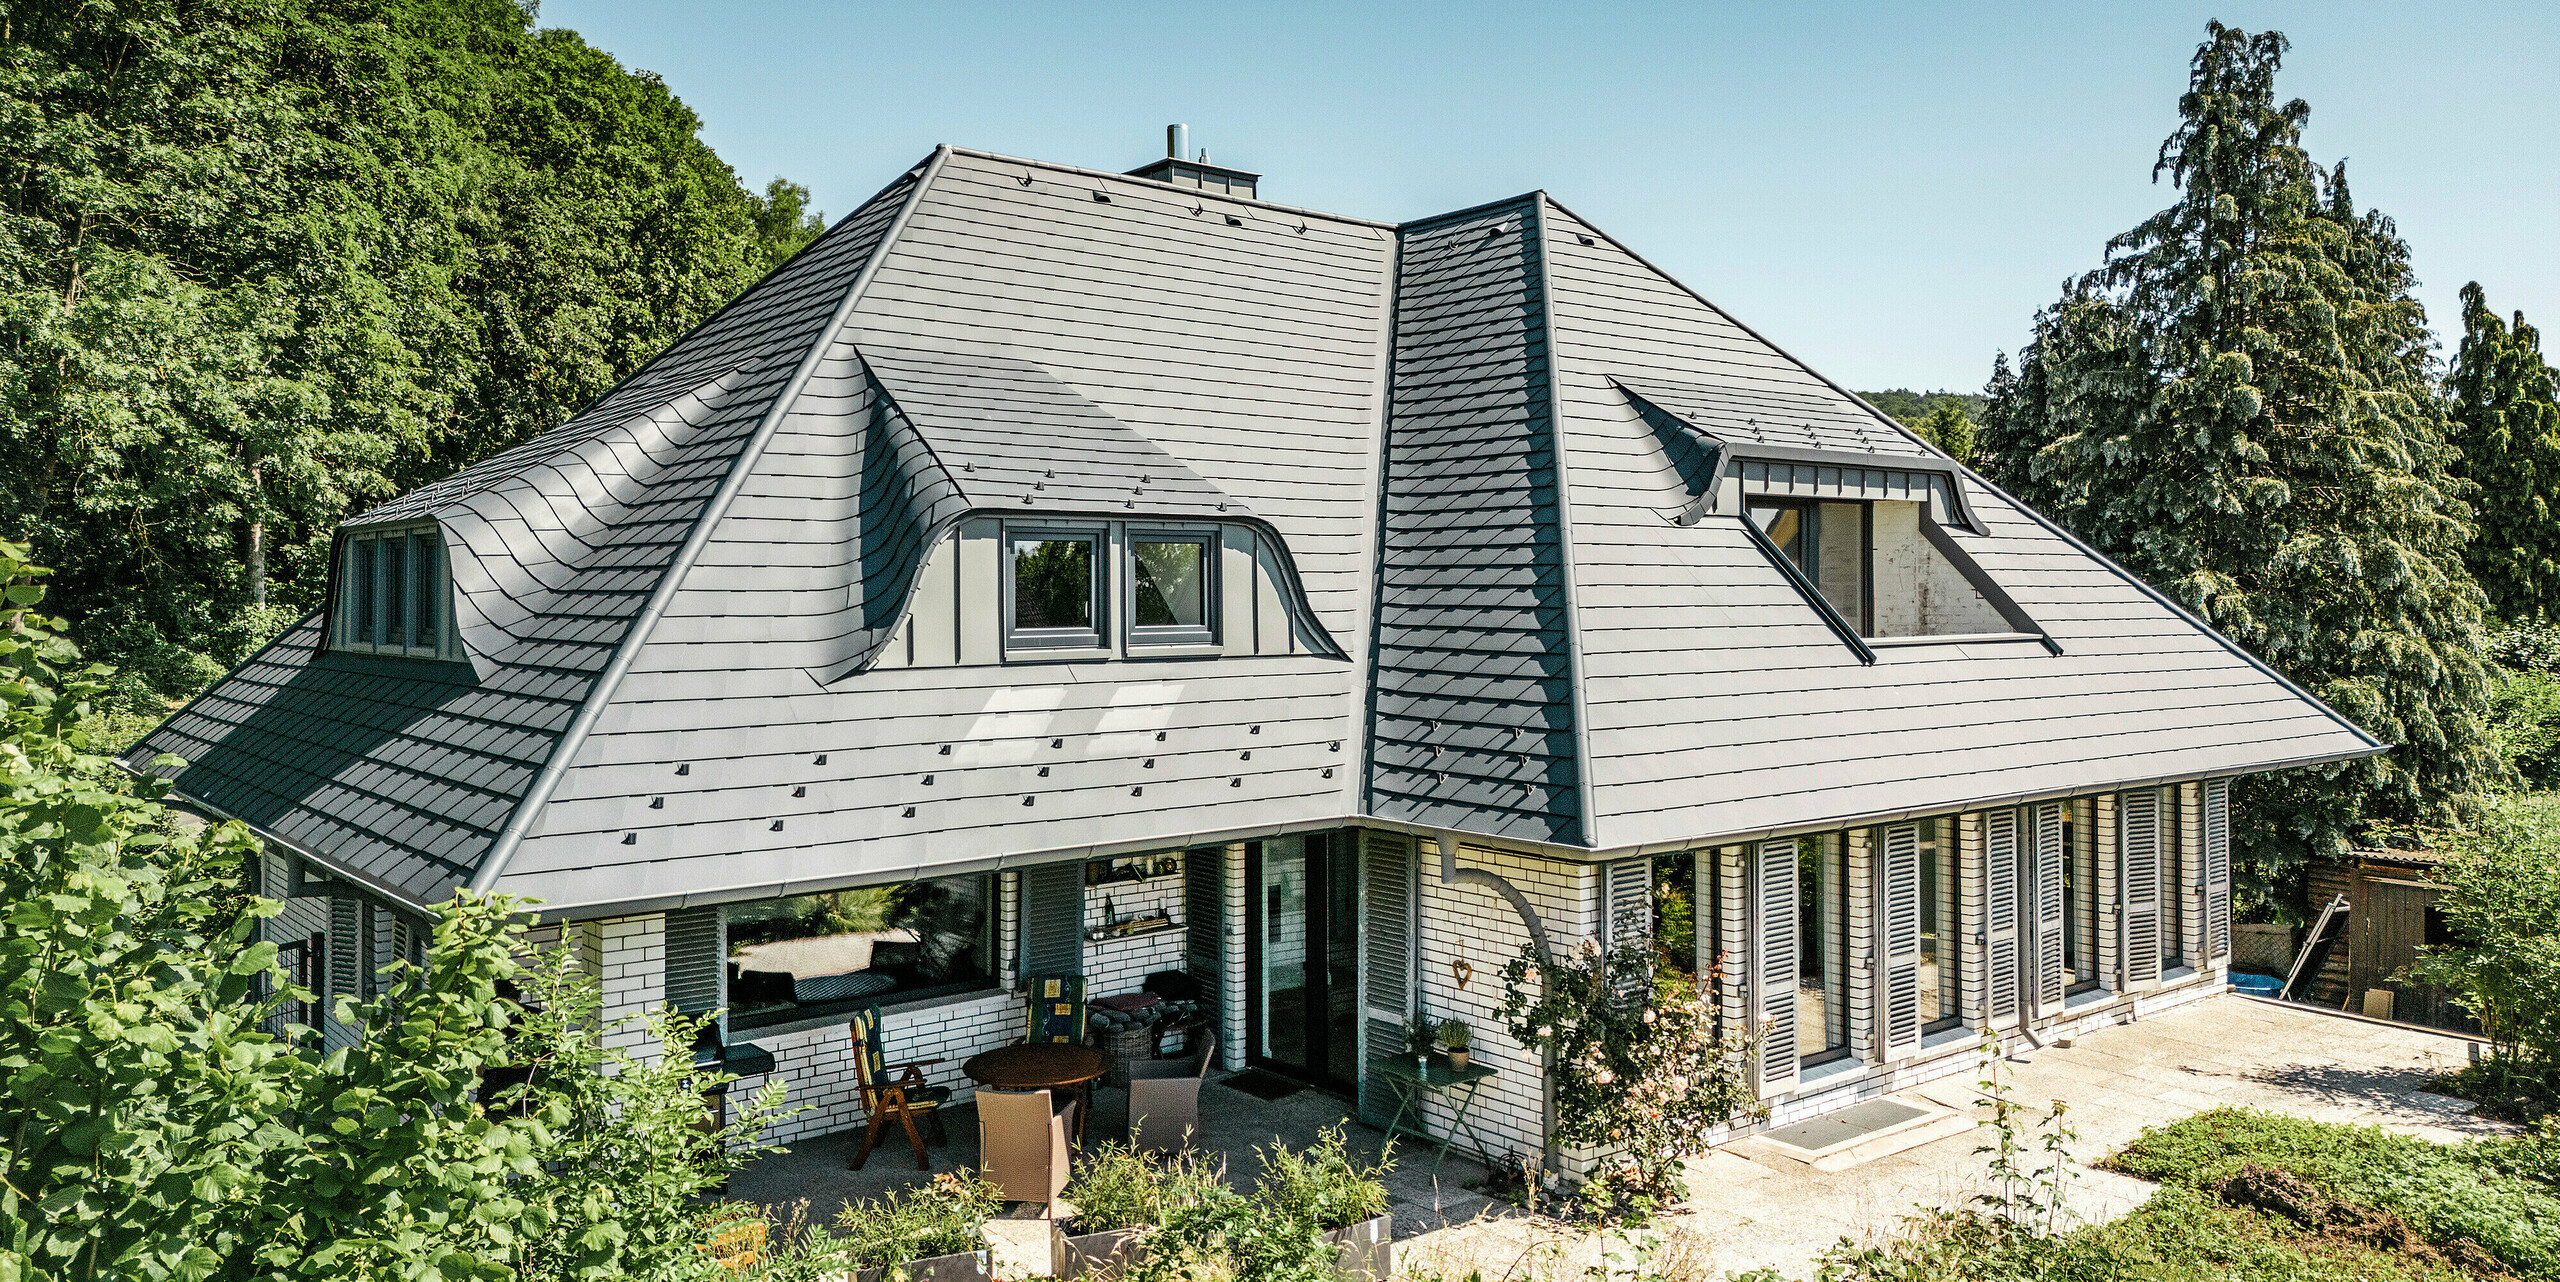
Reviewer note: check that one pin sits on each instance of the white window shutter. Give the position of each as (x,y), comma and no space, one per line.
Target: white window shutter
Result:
(1773,972)
(1899,1001)
(1626,891)
(2217,869)
(1388,896)
(2051,978)
(2002,908)
(2138,832)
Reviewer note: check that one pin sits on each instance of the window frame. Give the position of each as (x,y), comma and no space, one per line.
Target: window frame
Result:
(374,611)
(1159,638)
(1049,642)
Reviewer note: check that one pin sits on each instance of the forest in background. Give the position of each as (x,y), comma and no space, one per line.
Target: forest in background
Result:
(265,263)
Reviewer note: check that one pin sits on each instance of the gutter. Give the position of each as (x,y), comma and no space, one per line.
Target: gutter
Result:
(502,848)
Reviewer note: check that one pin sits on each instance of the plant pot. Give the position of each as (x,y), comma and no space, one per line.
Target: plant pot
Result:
(1458,1060)
(1366,1250)
(1106,1254)
(967,1266)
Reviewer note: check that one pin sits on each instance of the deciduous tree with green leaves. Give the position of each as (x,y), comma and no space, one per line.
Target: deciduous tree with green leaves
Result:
(2241,407)
(2506,427)
(161,1121)
(264,262)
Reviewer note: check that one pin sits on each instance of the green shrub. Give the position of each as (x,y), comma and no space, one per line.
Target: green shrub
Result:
(1320,1184)
(945,1217)
(2503,904)
(2448,1193)
(1118,1187)
(1227,1237)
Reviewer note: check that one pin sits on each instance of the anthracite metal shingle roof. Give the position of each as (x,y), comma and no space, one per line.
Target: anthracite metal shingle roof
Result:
(1499,423)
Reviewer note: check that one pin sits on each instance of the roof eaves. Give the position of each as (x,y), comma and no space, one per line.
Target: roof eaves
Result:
(503,847)
(1869,819)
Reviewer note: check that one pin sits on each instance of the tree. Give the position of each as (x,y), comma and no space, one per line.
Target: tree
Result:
(2240,407)
(1949,428)
(164,1122)
(784,222)
(264,262)
(2506,428)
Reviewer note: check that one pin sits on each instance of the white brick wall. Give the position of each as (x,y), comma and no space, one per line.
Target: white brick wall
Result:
(816,1065)
(633,955)
(1474,924)
(1119,965)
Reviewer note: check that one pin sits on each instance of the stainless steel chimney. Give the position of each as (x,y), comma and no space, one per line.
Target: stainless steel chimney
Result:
(1177,141)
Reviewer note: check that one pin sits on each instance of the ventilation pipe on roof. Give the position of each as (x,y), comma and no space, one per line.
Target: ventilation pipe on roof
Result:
(1177,141)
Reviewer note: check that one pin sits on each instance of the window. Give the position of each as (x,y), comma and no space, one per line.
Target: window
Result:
(1941,938)
(813,955)
(1828,544)
(396,595)
(2079,901)
(1053,590)
(1172,582)
(1822,949)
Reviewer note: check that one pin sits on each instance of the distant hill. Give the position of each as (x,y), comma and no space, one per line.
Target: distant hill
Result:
(1909,407)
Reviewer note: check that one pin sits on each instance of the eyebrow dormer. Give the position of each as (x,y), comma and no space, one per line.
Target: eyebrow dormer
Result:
(394,593)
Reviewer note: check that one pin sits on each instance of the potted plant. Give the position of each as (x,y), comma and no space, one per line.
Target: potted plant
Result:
(1421,1033)
(1120,1194)
(1455,1035)
(936,1233)
(1321,1186)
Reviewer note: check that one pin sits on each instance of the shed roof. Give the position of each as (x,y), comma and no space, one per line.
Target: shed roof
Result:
(1479,444)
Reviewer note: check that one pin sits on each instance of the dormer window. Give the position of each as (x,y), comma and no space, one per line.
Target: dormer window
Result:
(1173,593)
(1053,589)
(395,595)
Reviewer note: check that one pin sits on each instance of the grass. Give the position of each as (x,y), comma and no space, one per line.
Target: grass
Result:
(2458,1199)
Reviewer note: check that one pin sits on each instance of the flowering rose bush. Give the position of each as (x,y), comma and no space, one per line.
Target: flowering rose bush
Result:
(1641,1074)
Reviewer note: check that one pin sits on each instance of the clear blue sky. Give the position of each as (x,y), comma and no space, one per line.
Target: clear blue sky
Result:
(1887,190)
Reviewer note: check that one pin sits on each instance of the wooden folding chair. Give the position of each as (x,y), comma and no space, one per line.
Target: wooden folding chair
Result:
(892,1092)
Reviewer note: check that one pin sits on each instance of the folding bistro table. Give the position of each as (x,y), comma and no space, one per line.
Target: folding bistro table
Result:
(1411,1082)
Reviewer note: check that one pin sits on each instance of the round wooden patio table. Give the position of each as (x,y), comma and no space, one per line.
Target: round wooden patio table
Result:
(1042,1066)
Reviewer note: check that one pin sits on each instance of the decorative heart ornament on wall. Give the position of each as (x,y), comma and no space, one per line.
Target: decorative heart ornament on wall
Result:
(1463,972)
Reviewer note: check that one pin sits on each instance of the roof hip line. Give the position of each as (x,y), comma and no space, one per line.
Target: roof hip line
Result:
(1590,819)
(503,847)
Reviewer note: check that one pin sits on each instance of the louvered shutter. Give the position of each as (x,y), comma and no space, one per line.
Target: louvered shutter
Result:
(1627,897)
(1053,920)
(2217,869)
(346,970)
(693,960)
(2138,884)
(1387,900)
(1773,972)
(2051,980)
(2002,908)
(1898,878)
(1204,928)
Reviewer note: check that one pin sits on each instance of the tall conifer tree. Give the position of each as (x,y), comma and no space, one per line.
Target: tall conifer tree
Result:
(2506,427)
(2240,406)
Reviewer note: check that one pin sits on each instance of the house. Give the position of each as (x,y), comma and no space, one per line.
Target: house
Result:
(1053,571)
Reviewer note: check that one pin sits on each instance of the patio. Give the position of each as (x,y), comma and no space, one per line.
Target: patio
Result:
(1234,1123)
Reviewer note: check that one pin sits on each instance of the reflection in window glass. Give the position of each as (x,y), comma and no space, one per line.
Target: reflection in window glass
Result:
(430,589)
(1172,584)
(1052,583)
(394,616)
(1941,941)
(1822,944)
(817,954)
(1786,527)
(360,586)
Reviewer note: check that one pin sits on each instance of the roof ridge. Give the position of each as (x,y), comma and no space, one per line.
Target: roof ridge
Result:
(1256,201)
(502,848)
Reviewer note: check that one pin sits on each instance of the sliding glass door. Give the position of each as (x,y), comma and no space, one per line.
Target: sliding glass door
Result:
(1303,942)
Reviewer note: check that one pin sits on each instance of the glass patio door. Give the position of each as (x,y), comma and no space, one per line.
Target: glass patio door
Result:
(1304,942)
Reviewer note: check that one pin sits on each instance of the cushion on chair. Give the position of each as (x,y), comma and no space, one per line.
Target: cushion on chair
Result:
(921,1097)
